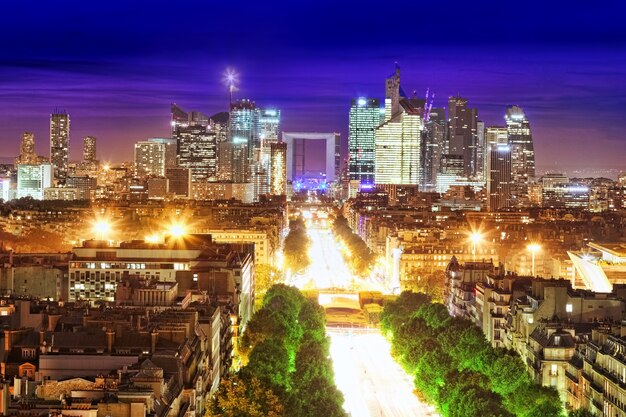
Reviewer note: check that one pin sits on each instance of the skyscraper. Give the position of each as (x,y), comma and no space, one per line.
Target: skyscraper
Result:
(59,144)
(522,148)
(170,150)
(462,133)
(398,139)
(196,144)
(499,180)
(266,132)
(494,135)
(27,150)
(278,168)
(364,119)
(89,149)
(149,159)
(433,147)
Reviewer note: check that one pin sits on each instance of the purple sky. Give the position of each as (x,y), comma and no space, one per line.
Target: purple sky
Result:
(116,76)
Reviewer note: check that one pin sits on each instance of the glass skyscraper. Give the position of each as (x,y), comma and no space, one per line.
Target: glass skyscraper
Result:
(521,142)
(364,119)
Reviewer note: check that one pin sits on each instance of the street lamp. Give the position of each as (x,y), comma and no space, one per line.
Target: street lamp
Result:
(476,238)
(102,228)
(533,248)
(177,230)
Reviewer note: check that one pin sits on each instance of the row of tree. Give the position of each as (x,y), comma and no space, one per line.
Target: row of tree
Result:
(360,257)
(296,248)
(288,371)
(456,369)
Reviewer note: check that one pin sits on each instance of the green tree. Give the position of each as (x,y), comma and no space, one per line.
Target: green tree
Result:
(239,397)
(270,363)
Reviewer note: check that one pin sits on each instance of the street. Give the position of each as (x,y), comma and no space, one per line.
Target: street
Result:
(373,384)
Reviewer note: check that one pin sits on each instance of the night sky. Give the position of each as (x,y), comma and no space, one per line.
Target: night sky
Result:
(116,67)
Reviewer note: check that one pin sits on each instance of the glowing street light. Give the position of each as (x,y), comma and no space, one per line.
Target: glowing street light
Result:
(153,238)
(533,248)
(102,228)
(475,238)
(177,230)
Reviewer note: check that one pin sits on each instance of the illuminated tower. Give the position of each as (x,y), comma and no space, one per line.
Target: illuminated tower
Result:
(59,144)
(364,119)
(196,141)
(27,149)
(499,181)
(89,149)
(149,159)
(433,147)
(278,168)
(521,142)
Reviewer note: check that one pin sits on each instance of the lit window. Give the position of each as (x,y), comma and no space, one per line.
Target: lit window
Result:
(553,370)
(569,308)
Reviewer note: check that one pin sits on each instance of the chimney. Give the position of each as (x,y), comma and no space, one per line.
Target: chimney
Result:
(154,338)
(42,337)
(110,335)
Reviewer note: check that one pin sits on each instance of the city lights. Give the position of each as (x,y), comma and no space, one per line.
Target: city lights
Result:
(102,228)
(177,230)
(533,248)
(475,238)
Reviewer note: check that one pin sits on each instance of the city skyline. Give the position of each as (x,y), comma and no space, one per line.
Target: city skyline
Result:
(120,88)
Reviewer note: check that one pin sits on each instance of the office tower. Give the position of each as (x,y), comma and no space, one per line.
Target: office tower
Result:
(494,135)
(278,168)
(522,148)
(89,149)
(433,147)
(499,181)
(179,181)
(266,132)
(398,139)
(149,159)
(85,185)
(243,120)
(32,179)
(59,144)
(27,150)
(196,138)
(480,150)
(364,119)
(462,133)
(170,150)
(452,164)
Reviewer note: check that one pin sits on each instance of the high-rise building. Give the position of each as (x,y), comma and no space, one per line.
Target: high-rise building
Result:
(398,139)
(59,144)
(364,119)
(278,168)
(196,139)
(85,185)
(89,149)
(32,179)
(243,122)
(480,150)
(149,159)
(462,133)
(522,148)
(494,135)
(433,147)
(500,178)
(27,150)
(170,150)
(266,132)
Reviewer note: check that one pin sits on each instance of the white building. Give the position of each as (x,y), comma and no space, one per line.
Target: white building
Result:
(32,179)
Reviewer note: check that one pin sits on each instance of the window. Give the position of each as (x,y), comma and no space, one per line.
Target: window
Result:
(569,308)
(554,370)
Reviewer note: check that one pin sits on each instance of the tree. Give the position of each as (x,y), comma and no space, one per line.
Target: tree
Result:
(270,363)
(296,247)
(264,277)
(581,412)
(239,397)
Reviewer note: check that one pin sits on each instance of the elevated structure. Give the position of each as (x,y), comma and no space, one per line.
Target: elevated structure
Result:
(600,271)
(332,151)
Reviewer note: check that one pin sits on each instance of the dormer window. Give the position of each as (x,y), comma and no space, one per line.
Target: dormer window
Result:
(29,353)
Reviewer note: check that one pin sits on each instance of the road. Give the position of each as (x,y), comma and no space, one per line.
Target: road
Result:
(373,384)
